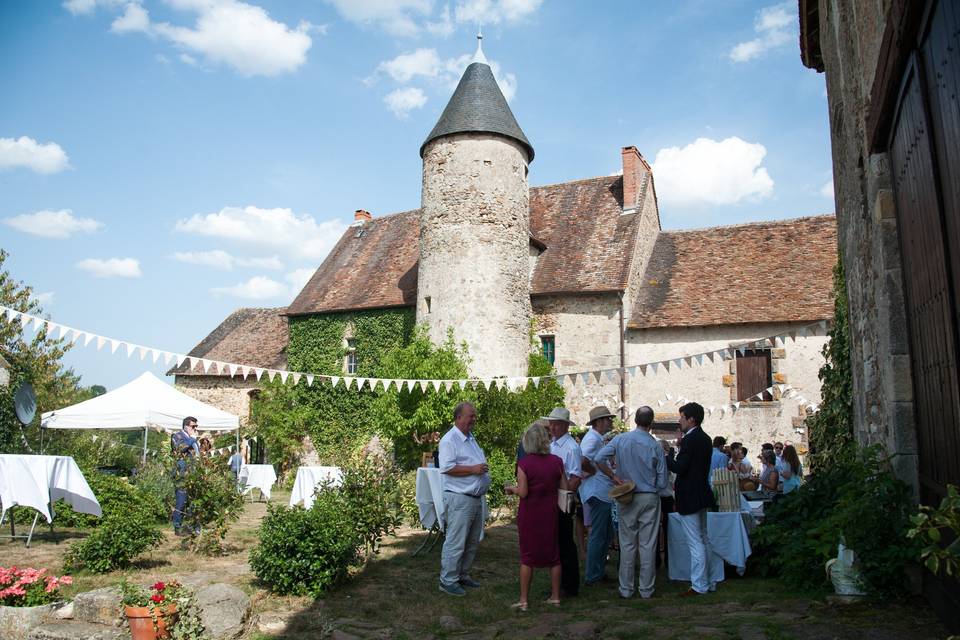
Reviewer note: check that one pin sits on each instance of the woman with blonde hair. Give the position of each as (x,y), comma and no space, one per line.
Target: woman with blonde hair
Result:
(539,477)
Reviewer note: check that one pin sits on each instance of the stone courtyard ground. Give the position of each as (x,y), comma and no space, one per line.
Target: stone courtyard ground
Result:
(395,596)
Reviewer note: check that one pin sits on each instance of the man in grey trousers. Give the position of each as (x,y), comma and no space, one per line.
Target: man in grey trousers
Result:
(465,482)
(640,459)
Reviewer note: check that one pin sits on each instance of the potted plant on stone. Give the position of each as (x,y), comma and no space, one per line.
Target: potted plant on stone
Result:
(27,596)
(151,614)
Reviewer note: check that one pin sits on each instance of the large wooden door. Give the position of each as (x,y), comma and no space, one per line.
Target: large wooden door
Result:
(925,157)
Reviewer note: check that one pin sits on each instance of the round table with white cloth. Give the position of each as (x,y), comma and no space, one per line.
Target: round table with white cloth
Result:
(729,543)
(39,481)
(307,481)
(257,476)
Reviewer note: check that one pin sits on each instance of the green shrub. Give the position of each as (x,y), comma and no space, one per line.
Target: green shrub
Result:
(501,473)
(307,551)
(114,494)
(860,502)
(154,485)
(213,503)
(409,509)
(115,543)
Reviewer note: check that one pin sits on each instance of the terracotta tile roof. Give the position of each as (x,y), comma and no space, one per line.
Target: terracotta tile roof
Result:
(588,248)
(255,337)
(373,269)
(589,241)
(760,272)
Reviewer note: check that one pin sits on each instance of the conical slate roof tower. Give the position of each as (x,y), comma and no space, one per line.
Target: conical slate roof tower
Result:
(474,268)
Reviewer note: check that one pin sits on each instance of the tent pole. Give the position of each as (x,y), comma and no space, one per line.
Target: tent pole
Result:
(144,461)
(41,439)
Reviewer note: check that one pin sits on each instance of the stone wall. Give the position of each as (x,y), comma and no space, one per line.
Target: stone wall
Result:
(474,249)
(229,394)
(850,37)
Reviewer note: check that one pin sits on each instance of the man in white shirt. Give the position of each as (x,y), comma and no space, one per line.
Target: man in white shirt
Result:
(594,493)
(566,448)
(465,480)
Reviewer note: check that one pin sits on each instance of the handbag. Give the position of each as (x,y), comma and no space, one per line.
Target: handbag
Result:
(566,500)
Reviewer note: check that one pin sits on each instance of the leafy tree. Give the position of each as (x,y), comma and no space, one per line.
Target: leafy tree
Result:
(36,360)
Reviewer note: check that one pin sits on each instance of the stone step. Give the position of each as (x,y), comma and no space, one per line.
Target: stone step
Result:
(101,606)
(76,630)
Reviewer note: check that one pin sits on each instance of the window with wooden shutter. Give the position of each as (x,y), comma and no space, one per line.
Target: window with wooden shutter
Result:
(754,375)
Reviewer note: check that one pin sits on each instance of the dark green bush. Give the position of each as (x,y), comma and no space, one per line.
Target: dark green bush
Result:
(115,543)
(114,494)
(409,509)
(213,503)
(307,551)
(154,484)
(860,502)
(501,473)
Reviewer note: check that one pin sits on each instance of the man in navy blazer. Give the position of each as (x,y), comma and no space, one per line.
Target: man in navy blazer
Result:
(693,494)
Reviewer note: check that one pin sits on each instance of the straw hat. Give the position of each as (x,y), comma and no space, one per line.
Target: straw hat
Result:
(599,412)
(561,414)
(623,493)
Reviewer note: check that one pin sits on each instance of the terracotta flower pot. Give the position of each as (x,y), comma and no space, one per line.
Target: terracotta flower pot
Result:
(141,622)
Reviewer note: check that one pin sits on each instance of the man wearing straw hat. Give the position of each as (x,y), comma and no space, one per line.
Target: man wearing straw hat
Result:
(641,476)
(465,481)
(597,505)
(566,448)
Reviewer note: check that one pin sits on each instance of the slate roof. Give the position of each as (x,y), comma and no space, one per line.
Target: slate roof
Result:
(478,106)
(249,336)
(776,271)
(589,244)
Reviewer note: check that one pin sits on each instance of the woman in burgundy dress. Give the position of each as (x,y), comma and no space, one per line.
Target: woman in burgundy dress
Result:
(539,476)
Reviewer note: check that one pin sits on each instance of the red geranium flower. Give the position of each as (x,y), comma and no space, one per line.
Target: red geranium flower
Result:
(157,598)
(159,586)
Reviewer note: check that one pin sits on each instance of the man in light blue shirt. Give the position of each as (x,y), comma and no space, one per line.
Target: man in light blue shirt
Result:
(640,459)
(594,493)
(718,459)
(465,480)
(566,448)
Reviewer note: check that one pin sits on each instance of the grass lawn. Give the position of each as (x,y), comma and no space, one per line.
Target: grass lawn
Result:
(395,595)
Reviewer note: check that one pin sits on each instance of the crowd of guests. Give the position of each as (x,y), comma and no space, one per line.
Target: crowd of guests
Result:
(627,485)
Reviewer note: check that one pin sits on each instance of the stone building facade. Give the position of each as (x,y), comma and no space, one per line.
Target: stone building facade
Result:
(582,271)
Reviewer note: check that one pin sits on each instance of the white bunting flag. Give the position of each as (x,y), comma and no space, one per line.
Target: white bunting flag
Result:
(653,367)
(283,376)
(585,378)
(130,348)
(179,358)
(334,381)
(736,405)
(37,323)
(155,354)
(309,379)
(699,358)
(723,410)
(296,378)
(258,373)
(87,339)
(114,345)
(143,352)
(632,371)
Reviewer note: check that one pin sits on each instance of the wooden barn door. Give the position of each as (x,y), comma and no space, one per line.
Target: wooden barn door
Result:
(925,157)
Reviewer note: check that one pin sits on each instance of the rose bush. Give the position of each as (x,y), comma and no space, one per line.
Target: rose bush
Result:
(29,587)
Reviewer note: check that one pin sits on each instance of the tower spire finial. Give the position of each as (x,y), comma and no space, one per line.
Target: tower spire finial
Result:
(478,56)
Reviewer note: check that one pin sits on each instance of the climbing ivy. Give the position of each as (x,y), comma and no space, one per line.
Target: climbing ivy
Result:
(831,429)
(387,345)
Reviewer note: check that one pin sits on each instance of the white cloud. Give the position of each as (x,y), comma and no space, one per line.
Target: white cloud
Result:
(422,62)
(495,11)
(188,59)
(403,101)
(298,279)
(397,17)
(230,32)
(59,224)
(134,18)
(256,288)
(827,190)
(219,259)
(27,152)
(45,298)
(775,26)
(442,28)
(712,172)
(279,230)
(111,267)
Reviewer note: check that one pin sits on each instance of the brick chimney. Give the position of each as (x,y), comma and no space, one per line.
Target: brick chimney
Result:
(634,170)
(361,216)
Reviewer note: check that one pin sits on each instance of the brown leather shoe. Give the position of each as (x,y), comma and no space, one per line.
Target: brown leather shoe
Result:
(689,593)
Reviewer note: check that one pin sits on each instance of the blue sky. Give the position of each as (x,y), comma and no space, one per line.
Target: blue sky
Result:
(164,162)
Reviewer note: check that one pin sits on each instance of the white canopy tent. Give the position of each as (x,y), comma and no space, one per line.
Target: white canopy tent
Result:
(144,403)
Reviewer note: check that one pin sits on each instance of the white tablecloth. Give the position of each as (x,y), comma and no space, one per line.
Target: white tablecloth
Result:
(308,478)
(728,543)
(39,481)
(257,476)
(430,498)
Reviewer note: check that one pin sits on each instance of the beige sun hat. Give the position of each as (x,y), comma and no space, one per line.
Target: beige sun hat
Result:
(560,414)
(599,412)
(623,493)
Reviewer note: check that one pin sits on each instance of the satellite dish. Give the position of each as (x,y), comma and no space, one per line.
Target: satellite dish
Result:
(25,403)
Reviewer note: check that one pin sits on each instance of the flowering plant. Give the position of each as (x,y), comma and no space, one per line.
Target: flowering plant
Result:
(161,599)
(29,587)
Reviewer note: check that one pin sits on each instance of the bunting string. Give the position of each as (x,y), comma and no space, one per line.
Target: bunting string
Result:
(244,371)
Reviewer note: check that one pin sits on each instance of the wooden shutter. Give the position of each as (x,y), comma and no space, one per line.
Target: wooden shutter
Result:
(753,374)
